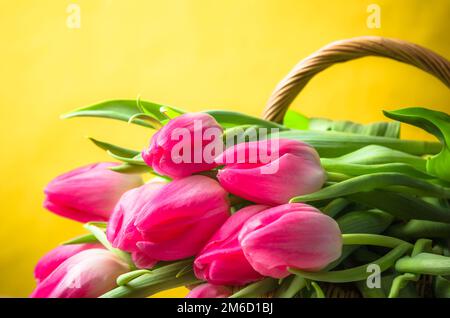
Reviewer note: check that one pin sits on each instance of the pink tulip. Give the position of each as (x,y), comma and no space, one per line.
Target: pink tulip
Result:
(291,235)
(181,217)
(88,193)
(87,274)
(209,291)
(184,146)
(270,171)
(122,232)
(222,261)
(50,261)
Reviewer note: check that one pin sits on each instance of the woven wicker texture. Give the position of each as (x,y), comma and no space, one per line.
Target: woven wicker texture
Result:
(346,50)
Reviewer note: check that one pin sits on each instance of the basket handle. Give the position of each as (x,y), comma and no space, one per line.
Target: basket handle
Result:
(346,50)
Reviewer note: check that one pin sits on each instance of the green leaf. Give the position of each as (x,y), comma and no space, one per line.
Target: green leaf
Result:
(132,169)
(335,206)
(118,151)
(366,183)
(382,129)
(376,155)
(121,110)
(100,235)
(136,160)
(351,169)
(403,206)
(371,222)
(295,120)
(82,239)
(437,124)
(442,287)
(415,229)
(228,119)
(149,119)
(239,134)
(333,144)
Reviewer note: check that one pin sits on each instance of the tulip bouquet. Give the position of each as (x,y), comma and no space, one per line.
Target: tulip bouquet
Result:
(242,207)
(237,206)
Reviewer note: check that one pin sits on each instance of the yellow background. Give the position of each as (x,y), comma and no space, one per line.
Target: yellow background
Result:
(192,54)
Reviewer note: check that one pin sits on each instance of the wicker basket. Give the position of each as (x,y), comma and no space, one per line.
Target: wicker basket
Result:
(341,51)
(346,50)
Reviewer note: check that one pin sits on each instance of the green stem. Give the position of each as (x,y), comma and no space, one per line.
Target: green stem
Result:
(424,263)
(400,282)
(369,182)
(128,277)
(373,239)
(336,177)
(357,273)
(318,290)
(155,281)
(290,287)
(335,206)
(257,289)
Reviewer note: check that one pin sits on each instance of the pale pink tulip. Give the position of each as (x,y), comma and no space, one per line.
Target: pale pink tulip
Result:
(222,261)
(87,274)
(270,172)
(88,193)
(180,148)
(291,235)
(50,261)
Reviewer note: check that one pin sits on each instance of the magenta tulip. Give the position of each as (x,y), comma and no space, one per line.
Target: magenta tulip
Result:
(50,261)
(222,261)
(186,145)
(88,193)
(209,291)
(270,171)
(122,232)
(178,221)
(291,235)
(87,274)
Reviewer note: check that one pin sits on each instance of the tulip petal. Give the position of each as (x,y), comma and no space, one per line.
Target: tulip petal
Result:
(209,291)
(87,274)
(88,193)
(291,175)
(50,261)
(290,235)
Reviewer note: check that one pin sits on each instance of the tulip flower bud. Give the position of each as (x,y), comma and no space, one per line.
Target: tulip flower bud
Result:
(209,291)
(88,193)
(50,261)
(121,231)
(186,145)
(270,171)
(222,261)
(291,235)
(87,274)
(181,217)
